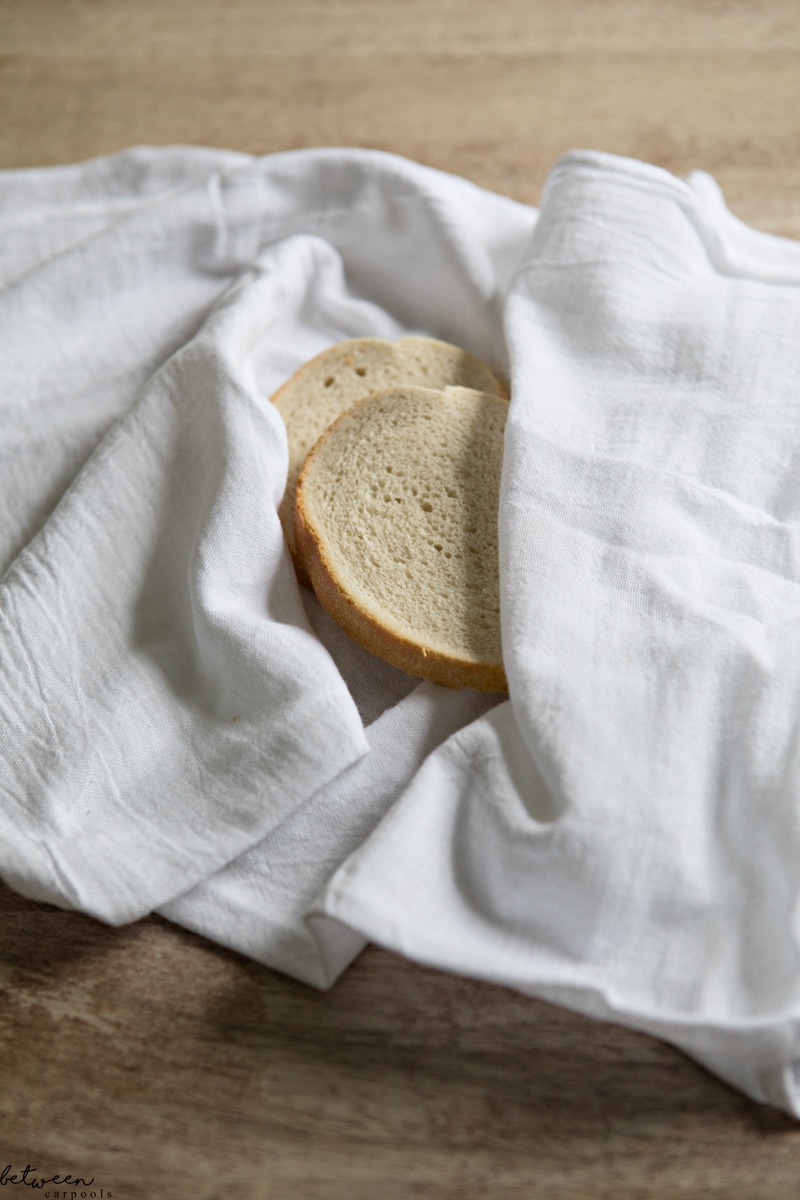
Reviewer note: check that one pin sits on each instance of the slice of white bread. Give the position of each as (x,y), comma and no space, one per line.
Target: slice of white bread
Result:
(327,385)
(396,524)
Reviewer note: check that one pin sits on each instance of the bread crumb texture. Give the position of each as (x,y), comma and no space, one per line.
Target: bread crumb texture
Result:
(329,384)
(397,526)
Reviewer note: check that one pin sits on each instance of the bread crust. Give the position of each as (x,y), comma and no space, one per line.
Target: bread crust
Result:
(333,359)
(412,657)
(392,645)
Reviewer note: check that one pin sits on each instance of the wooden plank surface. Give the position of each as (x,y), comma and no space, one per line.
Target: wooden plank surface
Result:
(165,1067)
(169,1068)
(494,91)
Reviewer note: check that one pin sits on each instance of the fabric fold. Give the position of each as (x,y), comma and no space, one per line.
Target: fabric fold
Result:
(259,903)
(155,639)
(623,837)
(183,730)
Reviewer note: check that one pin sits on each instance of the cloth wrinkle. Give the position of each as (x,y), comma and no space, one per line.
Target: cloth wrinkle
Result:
(184,730)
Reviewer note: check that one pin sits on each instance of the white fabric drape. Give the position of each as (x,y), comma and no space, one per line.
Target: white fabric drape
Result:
(182,729)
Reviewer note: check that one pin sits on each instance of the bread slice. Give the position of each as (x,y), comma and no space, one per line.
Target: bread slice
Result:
(324,387)
(396,524)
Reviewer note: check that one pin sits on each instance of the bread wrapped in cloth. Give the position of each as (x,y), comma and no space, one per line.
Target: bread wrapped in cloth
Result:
(327,385)
(396,525)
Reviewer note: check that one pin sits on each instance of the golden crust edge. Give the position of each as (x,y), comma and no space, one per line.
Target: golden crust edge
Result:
(288,505)
(399,651)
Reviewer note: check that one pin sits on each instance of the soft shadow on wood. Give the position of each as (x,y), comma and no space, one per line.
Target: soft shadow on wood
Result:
(151,1037)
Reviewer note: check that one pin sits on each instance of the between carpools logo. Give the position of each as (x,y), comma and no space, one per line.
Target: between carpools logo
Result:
(58,1187)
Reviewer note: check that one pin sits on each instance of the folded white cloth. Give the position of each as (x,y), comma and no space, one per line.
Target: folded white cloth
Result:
(259,903)
(165,703)
(183,729)
(623,837)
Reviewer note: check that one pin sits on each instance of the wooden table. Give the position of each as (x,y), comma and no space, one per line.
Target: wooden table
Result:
(165,1067)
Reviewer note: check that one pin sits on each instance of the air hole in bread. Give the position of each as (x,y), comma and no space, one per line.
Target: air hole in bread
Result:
(379,568)
(327,385)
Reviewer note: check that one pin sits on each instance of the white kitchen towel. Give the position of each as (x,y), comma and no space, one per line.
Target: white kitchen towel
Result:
(258,904)
(620,836)
(165,701)
(623,836)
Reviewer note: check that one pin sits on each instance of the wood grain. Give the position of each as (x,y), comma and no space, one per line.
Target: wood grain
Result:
(167,1068)
(495,92)
(164,1066)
